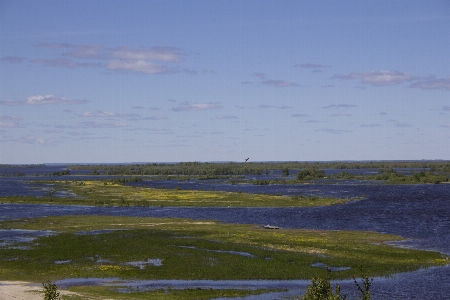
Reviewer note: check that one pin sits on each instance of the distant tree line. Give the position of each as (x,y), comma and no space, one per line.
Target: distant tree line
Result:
(253,168)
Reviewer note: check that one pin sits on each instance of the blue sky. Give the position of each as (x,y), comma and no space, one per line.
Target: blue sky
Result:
(166,81)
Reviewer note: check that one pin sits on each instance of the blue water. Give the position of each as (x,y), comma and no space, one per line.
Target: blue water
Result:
(420,213)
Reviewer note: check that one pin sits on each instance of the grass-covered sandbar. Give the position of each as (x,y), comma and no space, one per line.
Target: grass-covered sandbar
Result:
(105,193)
(169,248)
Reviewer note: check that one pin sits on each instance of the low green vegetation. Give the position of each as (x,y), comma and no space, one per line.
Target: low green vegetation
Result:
(106,193)
(169,248)
(418,177)
(308,174)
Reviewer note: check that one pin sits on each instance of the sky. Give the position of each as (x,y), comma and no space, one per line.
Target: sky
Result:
(107,81)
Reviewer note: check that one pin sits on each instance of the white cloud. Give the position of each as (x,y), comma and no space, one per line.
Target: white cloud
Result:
(279,83)
(332,130)
(154,118)
(120,59)
(341,114)
(50,99)
(140,66)
(159,130)
(214,132)
(98,113)
(403,125)
(155,53)
(191,72)
(102,125)
(53,130)
(99,52)
(65,63)
(260,75)
(316,68)
(370,125)
(4,124)
(108,114)
(309,66)
(13,59)
(340,106)
(12,102)
(8,118)
(78,51)
(227,117)
(42,100)
(86,51)
(377,78)
(79,133)
(9,122)
(273,106)
(190,135)
(31,139)
(432,83)
(197,106)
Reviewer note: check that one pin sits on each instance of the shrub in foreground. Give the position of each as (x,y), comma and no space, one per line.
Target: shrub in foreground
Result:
(321,289)
(50,291)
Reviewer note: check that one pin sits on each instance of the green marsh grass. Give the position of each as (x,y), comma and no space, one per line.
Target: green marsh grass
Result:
(104,193)
(192,249)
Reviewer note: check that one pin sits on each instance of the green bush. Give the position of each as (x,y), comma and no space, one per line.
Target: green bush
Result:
(308,174)
(50,291)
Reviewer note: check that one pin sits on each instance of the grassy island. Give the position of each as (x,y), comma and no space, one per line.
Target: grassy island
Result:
(104,193)
(169,248)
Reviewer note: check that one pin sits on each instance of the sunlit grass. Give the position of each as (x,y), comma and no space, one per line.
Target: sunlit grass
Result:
(107,194)
(191,249)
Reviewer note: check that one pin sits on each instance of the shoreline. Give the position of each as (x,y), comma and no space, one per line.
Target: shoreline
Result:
(24,290)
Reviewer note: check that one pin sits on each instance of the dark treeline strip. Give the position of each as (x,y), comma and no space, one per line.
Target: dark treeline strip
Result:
(22,166)
(254,168)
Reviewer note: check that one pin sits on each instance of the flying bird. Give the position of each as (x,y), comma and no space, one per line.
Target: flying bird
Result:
(247,159)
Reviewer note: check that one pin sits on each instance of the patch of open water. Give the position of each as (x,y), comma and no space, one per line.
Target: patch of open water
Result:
(9,238)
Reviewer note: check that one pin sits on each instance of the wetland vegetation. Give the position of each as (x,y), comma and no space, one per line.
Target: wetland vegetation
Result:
(110,193)
(110,247)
